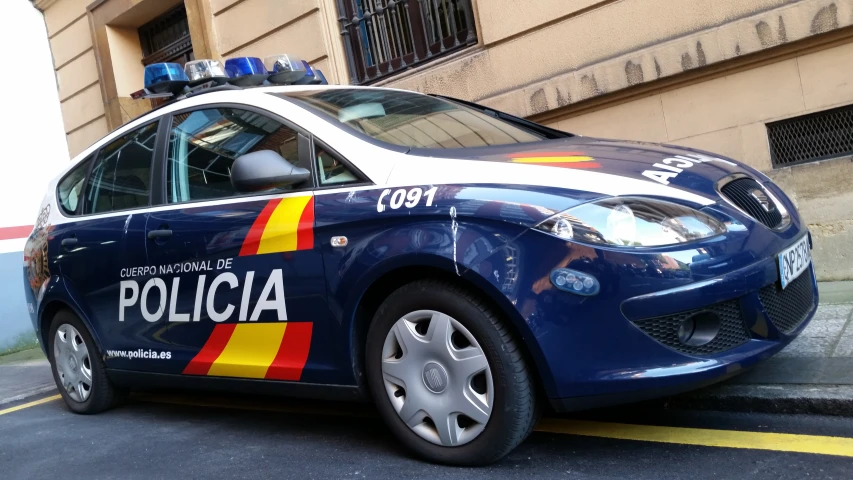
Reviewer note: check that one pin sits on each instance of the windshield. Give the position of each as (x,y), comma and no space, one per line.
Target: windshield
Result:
(412,119)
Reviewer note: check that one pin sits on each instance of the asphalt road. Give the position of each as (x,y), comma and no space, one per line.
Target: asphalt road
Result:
(202,436)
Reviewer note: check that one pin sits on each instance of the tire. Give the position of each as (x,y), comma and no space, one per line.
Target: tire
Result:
(101,394)
(510,386)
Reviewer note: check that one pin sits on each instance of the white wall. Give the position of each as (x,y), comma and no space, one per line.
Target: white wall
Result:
(33,146)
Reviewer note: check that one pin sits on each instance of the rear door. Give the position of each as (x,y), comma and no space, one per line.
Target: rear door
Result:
(104,235)
(244,279)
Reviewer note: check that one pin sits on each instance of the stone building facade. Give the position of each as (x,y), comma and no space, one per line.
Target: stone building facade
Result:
(761,81)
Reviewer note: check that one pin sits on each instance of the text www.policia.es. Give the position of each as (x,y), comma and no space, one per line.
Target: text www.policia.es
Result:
(140,353)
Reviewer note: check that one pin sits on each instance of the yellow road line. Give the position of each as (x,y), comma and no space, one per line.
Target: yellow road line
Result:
(31,404)
(781,442)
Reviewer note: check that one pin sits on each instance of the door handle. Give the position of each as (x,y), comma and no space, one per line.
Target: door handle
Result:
(69,242)
(158,234)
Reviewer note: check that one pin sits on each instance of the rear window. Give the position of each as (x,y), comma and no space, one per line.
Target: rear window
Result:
(412,120)
(70,189)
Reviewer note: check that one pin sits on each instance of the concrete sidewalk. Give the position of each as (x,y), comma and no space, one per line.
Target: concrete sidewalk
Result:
(23,375)
(814,374)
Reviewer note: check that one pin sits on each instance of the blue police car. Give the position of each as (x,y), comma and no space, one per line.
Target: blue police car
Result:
(463,267)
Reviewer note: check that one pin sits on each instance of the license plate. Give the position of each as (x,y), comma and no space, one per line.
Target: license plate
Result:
(794,260)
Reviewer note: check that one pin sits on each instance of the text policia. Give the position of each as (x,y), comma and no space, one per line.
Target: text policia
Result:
(130,294)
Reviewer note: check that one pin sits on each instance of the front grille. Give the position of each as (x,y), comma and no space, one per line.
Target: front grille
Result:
(740,192)
(732,332)
(788,308)
(810,138)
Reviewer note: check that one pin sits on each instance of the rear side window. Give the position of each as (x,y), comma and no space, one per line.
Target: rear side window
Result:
(121,176)
(204,144)
(70,189)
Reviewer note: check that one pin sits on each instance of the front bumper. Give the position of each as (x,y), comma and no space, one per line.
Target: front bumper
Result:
(620,345)
(769,319)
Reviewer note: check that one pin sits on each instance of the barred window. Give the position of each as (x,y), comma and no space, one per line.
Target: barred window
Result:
(167,38)
(384,37)
(810,138)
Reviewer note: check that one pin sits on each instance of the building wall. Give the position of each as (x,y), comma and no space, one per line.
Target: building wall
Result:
(709,73)
(34,152)
(76,73)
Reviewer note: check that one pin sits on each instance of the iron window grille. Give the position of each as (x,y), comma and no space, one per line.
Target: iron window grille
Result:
(384,37)
(167,38)
(813,137)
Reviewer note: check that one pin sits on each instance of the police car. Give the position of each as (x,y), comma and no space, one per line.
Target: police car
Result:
(462,267)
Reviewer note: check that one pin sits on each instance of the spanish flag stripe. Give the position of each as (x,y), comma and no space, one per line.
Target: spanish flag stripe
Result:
(545,154)
(200,364)
(305,235)
(569,159)
(292,354)
(253,238)
(281,231)
(250,351)
(576,165)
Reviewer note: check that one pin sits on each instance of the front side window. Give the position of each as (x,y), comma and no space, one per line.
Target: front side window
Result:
(204,144)
(331,170)
(121,176)
(70,188)
(411,119)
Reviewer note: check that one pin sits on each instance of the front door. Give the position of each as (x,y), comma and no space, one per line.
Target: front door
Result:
(243,283)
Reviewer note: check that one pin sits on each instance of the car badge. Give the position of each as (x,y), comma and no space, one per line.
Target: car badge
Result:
(762,199)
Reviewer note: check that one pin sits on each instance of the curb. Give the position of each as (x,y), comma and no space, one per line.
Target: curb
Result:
(832,400)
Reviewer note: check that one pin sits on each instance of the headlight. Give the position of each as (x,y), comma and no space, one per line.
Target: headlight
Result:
(635,222)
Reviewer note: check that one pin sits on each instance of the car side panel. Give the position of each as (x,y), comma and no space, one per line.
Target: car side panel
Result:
(466,230)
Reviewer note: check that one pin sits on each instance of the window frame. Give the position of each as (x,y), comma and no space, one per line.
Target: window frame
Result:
(92,158)
(88,161)
(363,180)
(304,154)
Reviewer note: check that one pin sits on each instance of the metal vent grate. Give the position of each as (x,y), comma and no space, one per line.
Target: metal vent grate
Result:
(745,193)
(732,332)
(809,138)
(788,308)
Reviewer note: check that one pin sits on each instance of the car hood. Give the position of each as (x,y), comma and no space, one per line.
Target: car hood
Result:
(596,165)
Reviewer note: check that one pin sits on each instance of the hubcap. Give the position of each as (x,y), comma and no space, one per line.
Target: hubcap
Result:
(72,363)
(437,378)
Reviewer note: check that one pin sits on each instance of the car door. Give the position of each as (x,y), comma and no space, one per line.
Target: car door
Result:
(104,236)
(244,279)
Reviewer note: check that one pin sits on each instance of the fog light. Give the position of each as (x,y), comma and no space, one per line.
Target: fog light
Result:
(574,281)
(699,329)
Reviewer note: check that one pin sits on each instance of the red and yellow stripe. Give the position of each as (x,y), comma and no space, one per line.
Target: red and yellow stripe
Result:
(271,351)
(556,159)
(284,225)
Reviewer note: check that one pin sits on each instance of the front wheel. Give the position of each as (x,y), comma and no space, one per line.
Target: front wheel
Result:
(447,375)
(78,371)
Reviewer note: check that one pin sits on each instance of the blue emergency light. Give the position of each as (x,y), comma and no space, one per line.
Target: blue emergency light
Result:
(246,71)
(165,78)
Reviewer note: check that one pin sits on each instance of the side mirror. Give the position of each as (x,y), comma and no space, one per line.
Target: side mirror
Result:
(264,170)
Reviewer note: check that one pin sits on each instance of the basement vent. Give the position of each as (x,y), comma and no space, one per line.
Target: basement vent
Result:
(813,137)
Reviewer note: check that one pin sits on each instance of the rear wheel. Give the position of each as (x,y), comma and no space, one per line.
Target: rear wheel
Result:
(78,371)
(447,375)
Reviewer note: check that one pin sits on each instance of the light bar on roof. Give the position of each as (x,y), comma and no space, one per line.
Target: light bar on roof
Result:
(246,71)
(202,71)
